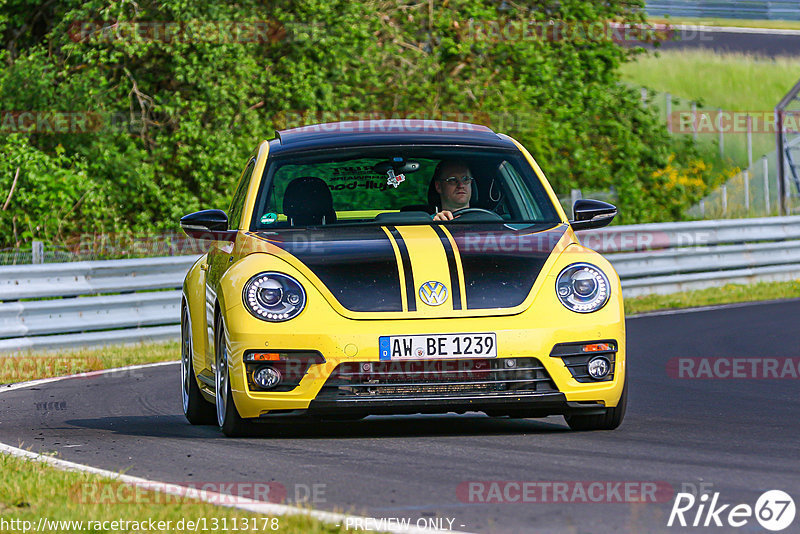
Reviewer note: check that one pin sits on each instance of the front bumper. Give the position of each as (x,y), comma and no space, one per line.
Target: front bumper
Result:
(528,405)
(497,386)
(356,343)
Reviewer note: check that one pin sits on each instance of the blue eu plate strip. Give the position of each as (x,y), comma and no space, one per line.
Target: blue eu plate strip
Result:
(383,348)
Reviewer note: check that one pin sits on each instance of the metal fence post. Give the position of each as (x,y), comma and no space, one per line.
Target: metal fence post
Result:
(694,120)
(779,161)
(749,141)
(765,167)
(574,195)
(725,199)
(787,188)
(669,112)
(747,192)
(721,136)
(37,252)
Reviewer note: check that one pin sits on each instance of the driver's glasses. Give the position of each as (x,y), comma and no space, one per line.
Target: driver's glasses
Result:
(452,180)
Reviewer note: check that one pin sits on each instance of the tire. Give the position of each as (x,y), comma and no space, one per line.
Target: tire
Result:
(198,411)
(607,421)
(228,419)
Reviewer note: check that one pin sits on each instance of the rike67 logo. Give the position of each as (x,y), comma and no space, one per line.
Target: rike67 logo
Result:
(774,510)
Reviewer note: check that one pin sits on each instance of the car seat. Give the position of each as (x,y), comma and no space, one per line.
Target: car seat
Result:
(308,201)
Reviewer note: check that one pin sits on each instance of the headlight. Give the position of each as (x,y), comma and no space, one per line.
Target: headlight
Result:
(274,297)
(583,288)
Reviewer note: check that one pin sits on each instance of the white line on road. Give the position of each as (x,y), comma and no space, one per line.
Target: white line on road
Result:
(680,311)
(242,503)
(734,29)
(89,374)
(660,26)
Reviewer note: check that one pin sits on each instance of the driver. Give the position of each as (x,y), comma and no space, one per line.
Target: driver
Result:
(453,182)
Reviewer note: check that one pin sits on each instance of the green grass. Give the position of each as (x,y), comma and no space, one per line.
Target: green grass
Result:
(30,490)
(732,82)
(728,294)
(736,23)
(33,365)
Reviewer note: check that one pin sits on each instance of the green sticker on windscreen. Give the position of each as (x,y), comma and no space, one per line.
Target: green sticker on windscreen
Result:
(269,218)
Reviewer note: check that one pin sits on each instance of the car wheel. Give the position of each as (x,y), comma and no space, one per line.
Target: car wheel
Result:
(197,410)
(607,421)
(228,418)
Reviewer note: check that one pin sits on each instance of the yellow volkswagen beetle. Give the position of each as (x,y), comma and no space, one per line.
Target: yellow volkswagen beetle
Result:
(399,267)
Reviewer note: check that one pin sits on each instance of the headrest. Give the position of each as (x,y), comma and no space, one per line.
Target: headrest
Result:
(308,200)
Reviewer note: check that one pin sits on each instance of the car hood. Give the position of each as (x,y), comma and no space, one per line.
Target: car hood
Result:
(485,268)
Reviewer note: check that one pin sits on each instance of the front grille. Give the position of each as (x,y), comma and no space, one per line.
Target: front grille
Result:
(435,389)
(437,378)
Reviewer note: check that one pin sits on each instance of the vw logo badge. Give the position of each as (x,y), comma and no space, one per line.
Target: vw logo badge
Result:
(433,293)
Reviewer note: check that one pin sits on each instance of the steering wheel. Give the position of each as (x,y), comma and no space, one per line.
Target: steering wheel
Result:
(467,211)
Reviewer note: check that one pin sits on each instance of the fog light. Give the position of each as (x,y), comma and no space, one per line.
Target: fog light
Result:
(267,377)
(511,362)
(599,367)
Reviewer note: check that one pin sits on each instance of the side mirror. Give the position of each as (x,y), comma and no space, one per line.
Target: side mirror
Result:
(592,214)
(208,224)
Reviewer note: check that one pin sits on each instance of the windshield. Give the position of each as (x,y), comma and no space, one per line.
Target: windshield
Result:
(400,185)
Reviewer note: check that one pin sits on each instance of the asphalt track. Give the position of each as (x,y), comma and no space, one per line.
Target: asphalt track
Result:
(749,41)
(738,437)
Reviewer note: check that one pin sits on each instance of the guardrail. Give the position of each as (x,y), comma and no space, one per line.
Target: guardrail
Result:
(658,236)
(80,310)
(669,257)
(731,9)
(689,268)
(650,258)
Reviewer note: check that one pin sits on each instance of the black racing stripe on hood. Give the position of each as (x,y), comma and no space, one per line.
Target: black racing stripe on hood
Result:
(357,264)
(455,287)
(405,257)
(501,264)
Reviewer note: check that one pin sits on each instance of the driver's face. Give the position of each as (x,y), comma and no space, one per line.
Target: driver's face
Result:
(455,193)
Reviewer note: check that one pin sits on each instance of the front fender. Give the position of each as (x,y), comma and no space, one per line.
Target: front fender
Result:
(194,297)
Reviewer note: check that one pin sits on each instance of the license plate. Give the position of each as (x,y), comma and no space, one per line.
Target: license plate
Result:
(438,346)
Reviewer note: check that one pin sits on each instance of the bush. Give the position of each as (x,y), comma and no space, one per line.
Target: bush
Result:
(176,118)
(51,197)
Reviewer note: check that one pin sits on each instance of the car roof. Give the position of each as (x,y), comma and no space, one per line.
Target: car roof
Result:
(387,132)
